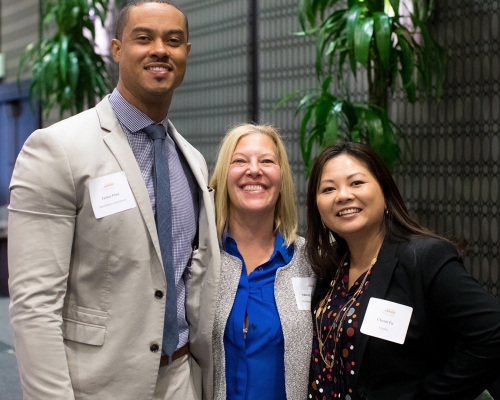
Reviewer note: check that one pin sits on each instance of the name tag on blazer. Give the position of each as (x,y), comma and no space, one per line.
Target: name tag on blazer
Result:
(303,288)
(111,194)
(386,320)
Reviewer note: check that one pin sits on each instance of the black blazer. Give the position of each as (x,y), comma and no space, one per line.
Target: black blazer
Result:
(452,347)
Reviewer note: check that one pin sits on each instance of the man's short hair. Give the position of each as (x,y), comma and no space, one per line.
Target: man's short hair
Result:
(122,19)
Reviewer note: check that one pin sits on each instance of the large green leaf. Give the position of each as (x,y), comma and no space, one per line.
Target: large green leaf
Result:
(383,34)
(63,57)
(74,70)
(322,111)
(326,84)
(45,75)
(306,13)
(350,114)
(352,21)
(306,100)
(342,56)
(375,128)
(331,129)
(363,33)
(286,99)
(406,59)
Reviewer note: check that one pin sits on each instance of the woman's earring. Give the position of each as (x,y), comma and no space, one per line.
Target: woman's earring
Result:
(332,238)
(386,211)
(330,234)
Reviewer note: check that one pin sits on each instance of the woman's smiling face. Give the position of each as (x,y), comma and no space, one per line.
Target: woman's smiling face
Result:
(350,199)
(254,178)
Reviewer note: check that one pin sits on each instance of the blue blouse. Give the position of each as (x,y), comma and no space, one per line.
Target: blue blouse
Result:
(255,366)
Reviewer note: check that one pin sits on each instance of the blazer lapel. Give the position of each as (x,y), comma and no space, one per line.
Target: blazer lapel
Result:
(379,283)
(188,155)
(118,144)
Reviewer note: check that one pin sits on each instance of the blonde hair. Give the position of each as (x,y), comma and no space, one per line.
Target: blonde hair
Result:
(285,212)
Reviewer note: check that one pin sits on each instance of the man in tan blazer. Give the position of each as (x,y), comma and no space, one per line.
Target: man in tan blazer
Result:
(87,283)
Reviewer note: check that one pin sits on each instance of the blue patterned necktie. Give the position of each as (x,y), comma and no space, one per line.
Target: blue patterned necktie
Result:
(164,227)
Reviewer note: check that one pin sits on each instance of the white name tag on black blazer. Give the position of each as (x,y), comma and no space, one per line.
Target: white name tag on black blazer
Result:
(386,320)
(111,194)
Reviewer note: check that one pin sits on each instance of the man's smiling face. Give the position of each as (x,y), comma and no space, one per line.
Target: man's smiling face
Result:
(152,54)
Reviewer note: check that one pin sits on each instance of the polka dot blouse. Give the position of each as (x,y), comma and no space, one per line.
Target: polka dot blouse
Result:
(338,381)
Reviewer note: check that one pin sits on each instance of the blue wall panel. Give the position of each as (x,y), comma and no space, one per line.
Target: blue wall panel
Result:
(17,120)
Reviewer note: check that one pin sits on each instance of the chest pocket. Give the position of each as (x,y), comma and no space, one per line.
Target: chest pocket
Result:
(85,325)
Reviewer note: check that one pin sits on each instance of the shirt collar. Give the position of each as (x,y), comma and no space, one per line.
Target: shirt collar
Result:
(286,253)
(128,115)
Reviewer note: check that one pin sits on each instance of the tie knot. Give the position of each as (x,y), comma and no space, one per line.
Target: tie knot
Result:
(155,131)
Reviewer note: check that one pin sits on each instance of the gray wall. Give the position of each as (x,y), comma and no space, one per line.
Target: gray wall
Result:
(214,94)
(450,179)
(19,27)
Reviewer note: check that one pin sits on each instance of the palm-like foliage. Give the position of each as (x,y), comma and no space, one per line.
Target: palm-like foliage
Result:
(65,68)
(369,36)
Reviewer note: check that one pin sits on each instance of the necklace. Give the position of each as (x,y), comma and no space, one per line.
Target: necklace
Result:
(342,314)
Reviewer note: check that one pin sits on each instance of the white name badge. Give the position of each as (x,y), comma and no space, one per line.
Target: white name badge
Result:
(110,194)
(303,288)
(386,320)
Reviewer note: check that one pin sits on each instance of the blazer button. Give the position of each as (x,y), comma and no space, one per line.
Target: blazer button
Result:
(154,348)
(159,294)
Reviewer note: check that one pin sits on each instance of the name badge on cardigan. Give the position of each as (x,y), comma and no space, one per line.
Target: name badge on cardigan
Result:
(386,320)
(111,194)
(303,288)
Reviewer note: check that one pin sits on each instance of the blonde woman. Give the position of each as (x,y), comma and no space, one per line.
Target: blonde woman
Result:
(262,338)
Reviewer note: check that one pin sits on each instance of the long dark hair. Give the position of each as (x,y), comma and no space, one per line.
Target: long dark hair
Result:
(399,225)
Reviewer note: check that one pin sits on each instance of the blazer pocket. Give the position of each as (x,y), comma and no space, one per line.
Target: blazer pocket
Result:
(85,325)
(82,333)
(86,310)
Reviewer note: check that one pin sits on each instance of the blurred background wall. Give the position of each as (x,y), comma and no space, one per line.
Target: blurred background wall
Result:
(450,180)
(245,58)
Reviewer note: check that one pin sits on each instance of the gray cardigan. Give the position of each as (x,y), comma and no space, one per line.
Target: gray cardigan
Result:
(296,325)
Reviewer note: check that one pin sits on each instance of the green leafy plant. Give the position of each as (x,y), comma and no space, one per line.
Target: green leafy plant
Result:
(65,68)
(384,40)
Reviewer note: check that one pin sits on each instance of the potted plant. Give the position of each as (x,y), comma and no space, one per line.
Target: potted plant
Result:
(64,67)
(377,40)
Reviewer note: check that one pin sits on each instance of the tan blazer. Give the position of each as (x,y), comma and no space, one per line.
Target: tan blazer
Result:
(83,305)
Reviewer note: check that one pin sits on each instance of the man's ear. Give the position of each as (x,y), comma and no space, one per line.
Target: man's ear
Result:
(188,47)
(116,49)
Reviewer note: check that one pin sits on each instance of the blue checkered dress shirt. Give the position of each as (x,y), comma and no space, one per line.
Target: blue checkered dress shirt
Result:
(184,191)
